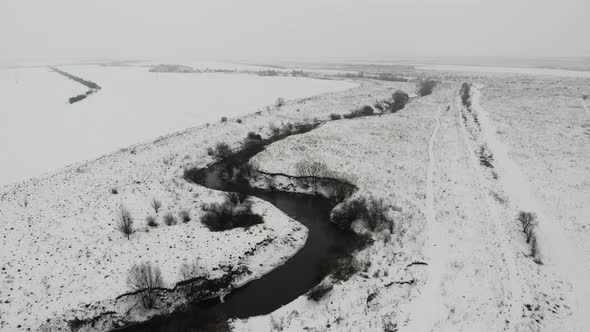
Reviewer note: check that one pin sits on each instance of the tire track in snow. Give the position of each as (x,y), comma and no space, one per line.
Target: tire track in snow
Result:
(513,284)
(426,311)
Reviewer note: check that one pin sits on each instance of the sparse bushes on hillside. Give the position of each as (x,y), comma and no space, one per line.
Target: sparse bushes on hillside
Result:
(125,224)
(146,279)
(230,214)
(400,99)
(425,87)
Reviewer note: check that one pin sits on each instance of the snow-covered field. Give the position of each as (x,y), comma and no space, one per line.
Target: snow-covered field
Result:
(40,131)
(457,261)
(507,70)
(62,256)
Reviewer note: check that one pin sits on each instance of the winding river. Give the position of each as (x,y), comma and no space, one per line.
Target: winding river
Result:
(284,284)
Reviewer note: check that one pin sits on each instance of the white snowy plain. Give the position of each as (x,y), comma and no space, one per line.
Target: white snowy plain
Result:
(41,132)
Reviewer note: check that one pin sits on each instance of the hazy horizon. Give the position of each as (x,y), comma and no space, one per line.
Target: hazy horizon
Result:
(308,29)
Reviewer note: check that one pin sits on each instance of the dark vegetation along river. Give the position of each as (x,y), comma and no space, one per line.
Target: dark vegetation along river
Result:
(325,244)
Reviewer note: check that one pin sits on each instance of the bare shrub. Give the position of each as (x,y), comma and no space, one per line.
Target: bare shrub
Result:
(280,102)
(486,157)
(376,215)
(319,291)
(311,168)
(156,204)
(125,224)
(425,87)
(191,270)
(373,211)
(335,116)
(339,191)
(400,99)
(345,214)
(466,94)
(238,120)
(114,191)
(236,198)
(363,111)
(185,215)
(584,97)
(254,136)
(223,119)
(169,219)
(391,77)
(151,221)
(146,279)
(251,145)
(229,214)
(221,151)
(528,220)
(340,269)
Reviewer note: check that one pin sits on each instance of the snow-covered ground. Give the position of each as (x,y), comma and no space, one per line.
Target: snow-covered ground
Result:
(40,131)
(480,273)
(457,261)
(62,257)
(507,70)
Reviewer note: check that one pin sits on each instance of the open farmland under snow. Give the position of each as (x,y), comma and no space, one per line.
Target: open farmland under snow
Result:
(40,131)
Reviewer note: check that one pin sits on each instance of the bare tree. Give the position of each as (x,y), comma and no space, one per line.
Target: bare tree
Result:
(146,279)
(156,204)
(125,224)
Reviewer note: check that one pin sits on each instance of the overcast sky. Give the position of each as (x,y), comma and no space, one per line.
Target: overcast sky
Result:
(36,29)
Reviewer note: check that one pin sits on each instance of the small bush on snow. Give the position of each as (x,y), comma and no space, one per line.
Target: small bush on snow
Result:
(233,212)
(425,87)
(280,102)
(400,99)
(185,215)
(319,291)
(223,119)
(169,219)
(156,204)
(528,222)
(125,224)
(221,151)
(151,221)
(335,116)
(253,135)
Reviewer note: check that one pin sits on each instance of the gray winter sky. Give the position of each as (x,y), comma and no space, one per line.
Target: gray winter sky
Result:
(295,29)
